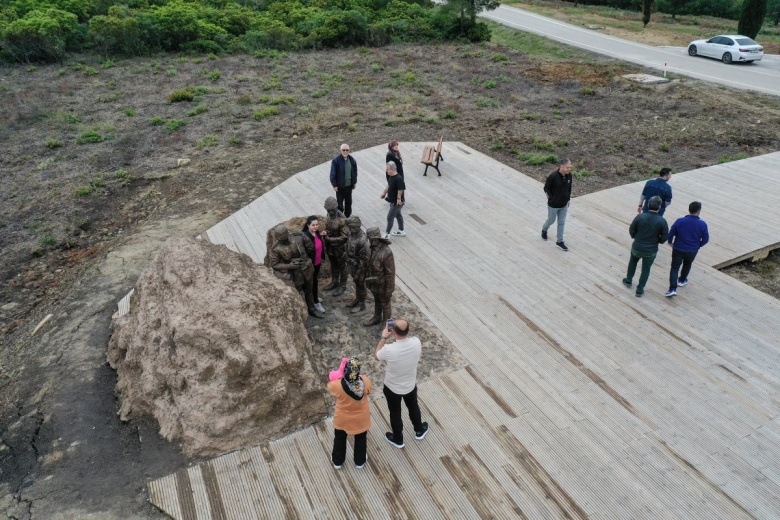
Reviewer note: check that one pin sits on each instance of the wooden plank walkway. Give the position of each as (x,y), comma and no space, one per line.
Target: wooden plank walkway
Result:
(580,400)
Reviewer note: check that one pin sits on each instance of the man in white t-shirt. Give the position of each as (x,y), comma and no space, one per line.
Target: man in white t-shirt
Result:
(401,358)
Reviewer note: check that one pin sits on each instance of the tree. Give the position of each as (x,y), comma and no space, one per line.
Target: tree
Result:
(471,8)
(647,7)
(773,11)
(752,17)
(40,35)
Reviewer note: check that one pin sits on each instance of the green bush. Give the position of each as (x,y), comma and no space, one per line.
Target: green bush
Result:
(53,143)
(129,112)
(90,136)
(157,121)
(40,35)
(535,159)
(259,115)
(174,124)
(450,114)
(182,94)
(209,140)
(198,110)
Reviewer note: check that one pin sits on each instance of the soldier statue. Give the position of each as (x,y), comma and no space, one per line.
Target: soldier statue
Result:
(358,254)
(290,262)
(380,277)
(336,235)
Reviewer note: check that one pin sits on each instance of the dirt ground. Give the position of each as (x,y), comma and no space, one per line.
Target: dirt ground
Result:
(78,222)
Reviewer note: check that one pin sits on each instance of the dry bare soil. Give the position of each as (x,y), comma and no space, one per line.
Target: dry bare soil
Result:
(78,222)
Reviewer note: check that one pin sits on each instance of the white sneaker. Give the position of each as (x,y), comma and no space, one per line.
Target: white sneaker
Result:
(385,235)
(399,233)
(319,307)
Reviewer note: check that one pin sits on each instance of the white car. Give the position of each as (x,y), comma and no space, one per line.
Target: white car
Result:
(727,48)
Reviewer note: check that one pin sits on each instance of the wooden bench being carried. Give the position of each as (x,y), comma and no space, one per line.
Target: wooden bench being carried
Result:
(431,157)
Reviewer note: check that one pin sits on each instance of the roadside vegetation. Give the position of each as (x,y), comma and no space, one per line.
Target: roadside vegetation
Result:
(666,26)
(35,31)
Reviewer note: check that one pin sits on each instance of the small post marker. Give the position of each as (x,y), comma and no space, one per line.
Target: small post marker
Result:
(664,70)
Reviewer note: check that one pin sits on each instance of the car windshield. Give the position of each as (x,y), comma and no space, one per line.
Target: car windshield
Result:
(746,41)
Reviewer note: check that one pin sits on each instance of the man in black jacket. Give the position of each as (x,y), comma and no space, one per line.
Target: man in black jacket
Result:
(648,230)
(557,187)
(343,178)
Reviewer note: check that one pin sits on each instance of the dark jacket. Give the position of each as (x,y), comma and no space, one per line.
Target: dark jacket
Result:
(648,230)
(399,165)
(337,171)
(688,234)
(308,243)
(660,187)
(557,187)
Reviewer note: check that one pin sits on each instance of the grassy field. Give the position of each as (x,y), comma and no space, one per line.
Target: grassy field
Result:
(662,29)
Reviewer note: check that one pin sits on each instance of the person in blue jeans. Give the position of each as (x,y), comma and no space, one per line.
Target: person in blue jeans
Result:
(660,187)
(557,187)
(687,235)
(648,230)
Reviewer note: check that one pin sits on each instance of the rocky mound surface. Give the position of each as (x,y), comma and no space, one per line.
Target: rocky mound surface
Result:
(215,348)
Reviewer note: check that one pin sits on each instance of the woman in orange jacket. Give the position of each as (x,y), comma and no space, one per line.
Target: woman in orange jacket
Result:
(352,415)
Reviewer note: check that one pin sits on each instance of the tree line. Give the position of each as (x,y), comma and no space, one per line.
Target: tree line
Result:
(752,14)
(46,30)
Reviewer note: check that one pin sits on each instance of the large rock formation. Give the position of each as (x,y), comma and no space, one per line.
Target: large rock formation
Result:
(214,347)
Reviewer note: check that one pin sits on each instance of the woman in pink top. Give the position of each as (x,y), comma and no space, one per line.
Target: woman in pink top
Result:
(311,232)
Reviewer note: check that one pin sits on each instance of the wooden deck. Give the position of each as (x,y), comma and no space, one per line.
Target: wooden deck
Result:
(580,400)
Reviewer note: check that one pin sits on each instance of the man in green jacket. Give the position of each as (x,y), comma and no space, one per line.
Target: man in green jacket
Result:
(648,230)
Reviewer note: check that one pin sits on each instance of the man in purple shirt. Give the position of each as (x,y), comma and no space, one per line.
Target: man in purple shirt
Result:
(687,235)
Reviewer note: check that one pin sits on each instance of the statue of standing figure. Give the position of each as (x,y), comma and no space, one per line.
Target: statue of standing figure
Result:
(290,262)
(380,277)
(336,235)
(358,255)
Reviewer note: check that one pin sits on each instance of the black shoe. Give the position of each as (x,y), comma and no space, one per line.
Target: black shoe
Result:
(544,235)
(360,308)
(561,246)
(639,293)
(627,283)
(315,314)
(389,438)
(420,435)
(339,291)
(354,303)
(330,286)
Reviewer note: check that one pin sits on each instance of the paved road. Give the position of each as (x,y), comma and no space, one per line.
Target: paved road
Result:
(763,76)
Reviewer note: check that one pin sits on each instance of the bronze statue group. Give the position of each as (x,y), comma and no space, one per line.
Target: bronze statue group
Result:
(366,257)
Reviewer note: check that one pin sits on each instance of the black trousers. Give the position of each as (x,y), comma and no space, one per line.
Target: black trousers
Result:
(316,283)
(344,200)
(340,448)
(394,405)
(685,260)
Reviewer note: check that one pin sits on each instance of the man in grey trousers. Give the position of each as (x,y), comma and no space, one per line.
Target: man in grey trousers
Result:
(557,187)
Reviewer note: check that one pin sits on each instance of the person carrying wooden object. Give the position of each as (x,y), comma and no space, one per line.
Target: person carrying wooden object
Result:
(431,157)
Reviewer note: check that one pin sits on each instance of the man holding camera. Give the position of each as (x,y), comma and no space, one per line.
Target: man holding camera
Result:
(401,358)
